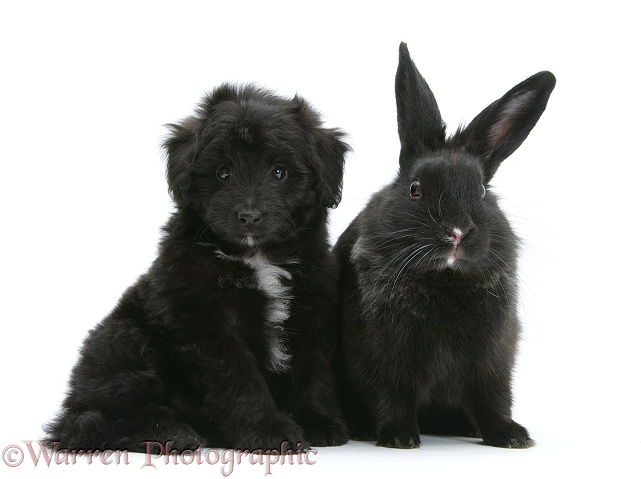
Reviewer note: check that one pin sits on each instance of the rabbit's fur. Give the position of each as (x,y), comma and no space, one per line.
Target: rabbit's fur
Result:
(429,324)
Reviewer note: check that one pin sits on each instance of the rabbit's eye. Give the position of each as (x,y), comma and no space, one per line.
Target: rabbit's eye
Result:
(483,192)
(415,189)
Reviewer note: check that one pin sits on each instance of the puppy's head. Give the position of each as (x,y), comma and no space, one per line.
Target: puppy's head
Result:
(255,166)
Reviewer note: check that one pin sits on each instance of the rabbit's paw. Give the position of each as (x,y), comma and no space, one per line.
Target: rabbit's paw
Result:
(511,435)
(400,438)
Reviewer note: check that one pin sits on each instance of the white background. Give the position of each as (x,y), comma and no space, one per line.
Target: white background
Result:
(85,89)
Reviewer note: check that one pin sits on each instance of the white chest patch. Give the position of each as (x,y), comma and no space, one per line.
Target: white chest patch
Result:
(269,280)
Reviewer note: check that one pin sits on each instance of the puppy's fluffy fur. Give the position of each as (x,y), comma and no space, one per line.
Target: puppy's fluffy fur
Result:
(228,339)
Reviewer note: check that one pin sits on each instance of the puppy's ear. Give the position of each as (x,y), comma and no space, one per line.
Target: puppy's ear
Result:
(328,155)
(329,165)
(181,146)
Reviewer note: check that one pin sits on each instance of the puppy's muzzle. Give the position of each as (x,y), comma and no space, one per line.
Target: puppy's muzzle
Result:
(249,218)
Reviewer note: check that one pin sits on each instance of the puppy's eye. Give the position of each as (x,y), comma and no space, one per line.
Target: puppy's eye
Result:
(483,191)
(415,189)
(223,173)
(279,173)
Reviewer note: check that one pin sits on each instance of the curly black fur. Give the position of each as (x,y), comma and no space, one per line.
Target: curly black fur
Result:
(228,339)
(429,282)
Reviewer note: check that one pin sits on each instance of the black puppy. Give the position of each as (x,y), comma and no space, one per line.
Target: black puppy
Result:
(228,339)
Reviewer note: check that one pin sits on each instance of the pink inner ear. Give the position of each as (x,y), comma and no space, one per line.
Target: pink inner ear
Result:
(501,128)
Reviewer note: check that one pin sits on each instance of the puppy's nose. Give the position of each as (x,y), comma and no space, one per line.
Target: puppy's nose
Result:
(249,217)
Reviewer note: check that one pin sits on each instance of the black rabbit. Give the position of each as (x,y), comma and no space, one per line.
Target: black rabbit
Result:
(429,277)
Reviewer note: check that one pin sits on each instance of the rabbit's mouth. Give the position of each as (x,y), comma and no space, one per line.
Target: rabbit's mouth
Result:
(455,256)
(455,237)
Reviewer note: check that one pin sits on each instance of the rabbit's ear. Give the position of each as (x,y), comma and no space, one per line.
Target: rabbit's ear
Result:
(500,129)
(420,127)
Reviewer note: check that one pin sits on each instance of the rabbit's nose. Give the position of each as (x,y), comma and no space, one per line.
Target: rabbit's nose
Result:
(456,235)
(466,232)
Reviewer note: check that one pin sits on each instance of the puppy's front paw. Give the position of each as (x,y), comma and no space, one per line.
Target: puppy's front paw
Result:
(275,434)
(179,442)
(510,435)
(186,439)
(330,433)
(166,438)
